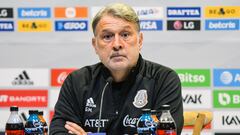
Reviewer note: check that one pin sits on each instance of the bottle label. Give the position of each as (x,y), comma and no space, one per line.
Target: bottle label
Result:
(166,132)
(14,132)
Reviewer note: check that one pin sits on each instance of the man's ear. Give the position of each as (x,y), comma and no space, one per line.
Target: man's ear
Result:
(140,41)
(94,44)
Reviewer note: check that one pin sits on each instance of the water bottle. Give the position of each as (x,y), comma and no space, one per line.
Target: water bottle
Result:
(14,125)
(145,124)
(33,125)
(166,124)
(43,122)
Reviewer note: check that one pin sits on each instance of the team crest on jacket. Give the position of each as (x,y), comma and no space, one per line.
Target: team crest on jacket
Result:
(141,99)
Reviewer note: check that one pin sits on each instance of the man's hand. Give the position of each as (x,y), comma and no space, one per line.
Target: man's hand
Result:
(73,128)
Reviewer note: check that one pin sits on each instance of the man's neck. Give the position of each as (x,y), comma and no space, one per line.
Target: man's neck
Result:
(119,76)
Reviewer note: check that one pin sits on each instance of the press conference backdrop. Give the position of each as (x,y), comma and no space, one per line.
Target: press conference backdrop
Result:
(41,42)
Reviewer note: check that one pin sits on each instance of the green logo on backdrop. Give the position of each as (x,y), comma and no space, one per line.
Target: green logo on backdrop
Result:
(194,77)
(226,98)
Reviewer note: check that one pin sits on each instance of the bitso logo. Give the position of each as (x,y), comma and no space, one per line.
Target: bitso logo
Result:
(194,77)
(22,79)
(226,77)
(6,12)
(183,12)
(222,12)
(183,25)
(71,25)
(6,26)
(34,26)
(226,99)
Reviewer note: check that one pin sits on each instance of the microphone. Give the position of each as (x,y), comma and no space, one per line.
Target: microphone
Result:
(109,81)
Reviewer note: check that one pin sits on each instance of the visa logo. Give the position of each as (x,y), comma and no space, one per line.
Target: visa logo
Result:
(34,12)
(71,25)
(6,26)
(151,25)
(183,12)
(226,77)
(226,24)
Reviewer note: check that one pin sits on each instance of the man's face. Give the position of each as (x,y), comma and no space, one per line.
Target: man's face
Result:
(117,43)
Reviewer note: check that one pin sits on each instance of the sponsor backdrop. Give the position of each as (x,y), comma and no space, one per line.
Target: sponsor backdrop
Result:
(41,42)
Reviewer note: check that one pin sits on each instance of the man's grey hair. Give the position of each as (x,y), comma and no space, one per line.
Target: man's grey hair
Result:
(119,10)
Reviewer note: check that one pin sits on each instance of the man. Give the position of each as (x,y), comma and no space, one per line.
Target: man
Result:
(109,96)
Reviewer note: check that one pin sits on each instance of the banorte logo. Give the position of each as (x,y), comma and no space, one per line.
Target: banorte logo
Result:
(59,75)
(24,98)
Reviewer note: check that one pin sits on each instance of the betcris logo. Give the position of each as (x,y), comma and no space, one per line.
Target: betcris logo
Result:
(226,24)
(151,25)
(183,12)
(183,25)
(6,12)
(226,98)
(226,120)
(71,25)
(6,26)
(226,77)
(34,12)
(194,77)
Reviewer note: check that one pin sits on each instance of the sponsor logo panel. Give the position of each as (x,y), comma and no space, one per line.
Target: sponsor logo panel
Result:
(151,25)
(183,12)
(226,98)
(6,26)
(24,77)
(53,97)
(34,12)
(148,13)
(183,25)
(59,75)
(227,24)
(71,25)
(226,133)
(197,99)
(34,26)
(194,77)
(24,98)
(222,12)
(71,12)
(229,120)
(6,12)
(226,77)
(190,133)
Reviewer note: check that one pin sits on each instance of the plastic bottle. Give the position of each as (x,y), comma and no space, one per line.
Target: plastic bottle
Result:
(145,124)
(44,123)
(33,125)
(166,124)
(14,125)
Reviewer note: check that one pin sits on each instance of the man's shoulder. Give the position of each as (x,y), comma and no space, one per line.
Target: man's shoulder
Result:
(155,70)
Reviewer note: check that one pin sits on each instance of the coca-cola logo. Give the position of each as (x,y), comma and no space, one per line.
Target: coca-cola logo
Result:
(62,77)
(130,122)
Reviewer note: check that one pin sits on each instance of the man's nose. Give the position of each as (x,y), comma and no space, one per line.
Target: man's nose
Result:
(117,43)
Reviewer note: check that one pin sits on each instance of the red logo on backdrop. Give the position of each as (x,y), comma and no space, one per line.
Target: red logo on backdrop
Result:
(24,98)
(51,113)
(59,75)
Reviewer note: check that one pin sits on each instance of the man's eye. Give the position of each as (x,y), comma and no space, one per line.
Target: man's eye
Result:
(125,35)
(107,37)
